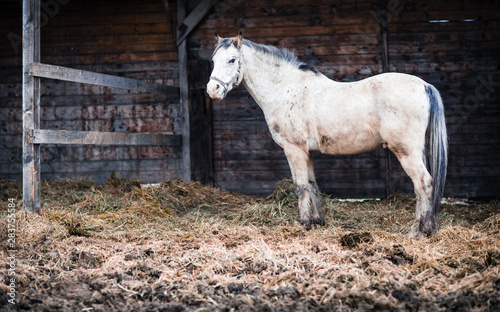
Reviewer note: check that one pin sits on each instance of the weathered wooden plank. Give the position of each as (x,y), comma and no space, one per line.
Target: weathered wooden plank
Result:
(200,123)
(107,18)
(170,22)
(79,153)
(110,42)
(31,105)
(63,57)
(184,98)
(152,125)
(256,181)
(82,76)
(42,136)
(111,111)
(190,22)
(74,153)
(100,176)
(334,41)
(56,34)
(230,11)
(97,166)
(143,175)
(145,69)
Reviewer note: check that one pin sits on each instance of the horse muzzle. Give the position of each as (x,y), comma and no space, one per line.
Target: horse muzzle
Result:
(216,89)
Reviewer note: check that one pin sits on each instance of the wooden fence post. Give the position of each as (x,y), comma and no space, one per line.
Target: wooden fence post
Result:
(31,105)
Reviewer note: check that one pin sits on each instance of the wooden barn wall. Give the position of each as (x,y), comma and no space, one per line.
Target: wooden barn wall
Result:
(459,53)
(123,38)
(452,44)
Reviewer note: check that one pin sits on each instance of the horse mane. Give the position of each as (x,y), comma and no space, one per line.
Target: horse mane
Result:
(283,54)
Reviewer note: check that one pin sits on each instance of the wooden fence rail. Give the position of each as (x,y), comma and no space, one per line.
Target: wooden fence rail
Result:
(41,136)
(87,77)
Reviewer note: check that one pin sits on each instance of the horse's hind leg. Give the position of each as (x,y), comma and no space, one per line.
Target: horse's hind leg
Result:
(317,213)
(298,162)
(413,164)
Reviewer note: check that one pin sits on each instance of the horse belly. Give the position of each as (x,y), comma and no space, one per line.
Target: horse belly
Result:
(340,143)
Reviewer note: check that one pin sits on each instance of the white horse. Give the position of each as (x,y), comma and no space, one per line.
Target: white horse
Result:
(306,111)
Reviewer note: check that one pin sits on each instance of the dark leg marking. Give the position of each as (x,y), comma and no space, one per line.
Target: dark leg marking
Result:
(318,217)
(304,212)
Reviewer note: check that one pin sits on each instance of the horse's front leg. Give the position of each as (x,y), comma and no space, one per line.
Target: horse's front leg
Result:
(317,213)
(298,162)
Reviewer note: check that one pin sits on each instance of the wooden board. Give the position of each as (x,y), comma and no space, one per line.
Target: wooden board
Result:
(184,97)
(87,77)
(191,21)
(31,105)
(42,136)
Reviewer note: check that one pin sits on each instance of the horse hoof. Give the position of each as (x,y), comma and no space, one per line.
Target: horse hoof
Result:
(319,221)
(427,227)
(417,233)
(306,224)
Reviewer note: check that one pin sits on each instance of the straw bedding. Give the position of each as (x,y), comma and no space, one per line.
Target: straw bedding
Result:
(182,246)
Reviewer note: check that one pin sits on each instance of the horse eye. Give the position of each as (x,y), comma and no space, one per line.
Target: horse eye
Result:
(231,61)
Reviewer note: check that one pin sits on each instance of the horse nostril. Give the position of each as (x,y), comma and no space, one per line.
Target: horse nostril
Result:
(217,87)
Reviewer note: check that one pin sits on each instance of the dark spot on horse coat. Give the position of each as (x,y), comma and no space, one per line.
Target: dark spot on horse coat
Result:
(399,149)
(276,129)
(325,141)
(300,190)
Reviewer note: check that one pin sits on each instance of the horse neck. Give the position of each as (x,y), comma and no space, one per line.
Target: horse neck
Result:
(262,77)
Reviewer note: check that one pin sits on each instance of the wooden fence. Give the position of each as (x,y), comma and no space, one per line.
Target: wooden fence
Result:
(33,136)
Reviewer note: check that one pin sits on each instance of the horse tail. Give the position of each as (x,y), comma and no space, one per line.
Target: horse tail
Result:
(436,149)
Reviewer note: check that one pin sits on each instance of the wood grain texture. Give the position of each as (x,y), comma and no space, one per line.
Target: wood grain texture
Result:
(343,40)
(131,41)
(31,105)
(43,136)
(99,79)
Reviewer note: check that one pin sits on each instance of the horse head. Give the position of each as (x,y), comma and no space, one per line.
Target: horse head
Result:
(226,74)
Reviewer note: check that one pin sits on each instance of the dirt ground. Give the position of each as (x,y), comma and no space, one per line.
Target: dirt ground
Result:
(186,247)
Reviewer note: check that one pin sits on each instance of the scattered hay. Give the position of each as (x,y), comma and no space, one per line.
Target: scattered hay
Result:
(284,193)
(122,246)
(30,229)
(184,197)
(352,240)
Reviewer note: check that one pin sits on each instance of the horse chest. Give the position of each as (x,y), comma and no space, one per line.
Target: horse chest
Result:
(288,127)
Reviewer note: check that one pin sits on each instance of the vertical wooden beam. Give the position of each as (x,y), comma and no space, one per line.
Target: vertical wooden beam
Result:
(31,105)
(184,97)
(385,68)
(201,122)
(383,35)
(170,22)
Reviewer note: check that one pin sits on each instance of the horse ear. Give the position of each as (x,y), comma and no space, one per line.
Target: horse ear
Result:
(238,40)
(217,39)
